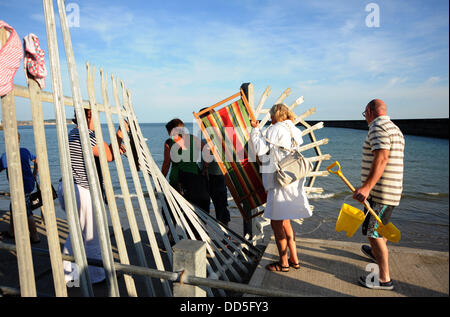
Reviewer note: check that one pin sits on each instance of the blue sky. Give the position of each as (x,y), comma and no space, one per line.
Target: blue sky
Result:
(179,56)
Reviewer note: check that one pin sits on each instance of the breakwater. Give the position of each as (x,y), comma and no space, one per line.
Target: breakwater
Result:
(435,128)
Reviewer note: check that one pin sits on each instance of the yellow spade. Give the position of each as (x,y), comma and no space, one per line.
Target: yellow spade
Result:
(389,231)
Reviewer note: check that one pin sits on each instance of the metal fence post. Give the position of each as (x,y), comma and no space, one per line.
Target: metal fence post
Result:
(189,256)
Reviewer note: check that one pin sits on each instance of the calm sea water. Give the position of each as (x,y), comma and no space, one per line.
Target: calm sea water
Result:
(423,214)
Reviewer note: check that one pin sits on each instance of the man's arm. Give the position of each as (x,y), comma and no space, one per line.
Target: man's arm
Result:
(166,163)
(379,162)
(205,162)
(108,148)
(35,167)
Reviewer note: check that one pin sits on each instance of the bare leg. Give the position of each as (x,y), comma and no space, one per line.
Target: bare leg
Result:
(289,232)
(31,226)
(381,254)
(281,241)
(11,224)
(33,231)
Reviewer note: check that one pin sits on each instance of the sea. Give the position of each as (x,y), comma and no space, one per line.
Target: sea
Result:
(422,216)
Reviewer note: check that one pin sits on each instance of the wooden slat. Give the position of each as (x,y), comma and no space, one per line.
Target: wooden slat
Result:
(138,187)
(304,115)
(313,145)
(218,104)
(262,100)
(315,127)
(19,215)
(296,103)
(129,209)
(280,99)
(94,184)
(320,158)
(45,96)
(48,207)
(108,186)
(64,156)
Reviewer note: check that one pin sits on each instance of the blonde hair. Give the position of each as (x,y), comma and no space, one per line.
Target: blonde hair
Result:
(280,112)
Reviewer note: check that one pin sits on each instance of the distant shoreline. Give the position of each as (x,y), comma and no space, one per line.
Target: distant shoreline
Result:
(434,128)
(30,123)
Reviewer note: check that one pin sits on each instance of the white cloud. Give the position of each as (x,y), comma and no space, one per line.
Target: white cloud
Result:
(348,27)
(109,22)
(396,80)
(38,17)
(432,80)
(306,84)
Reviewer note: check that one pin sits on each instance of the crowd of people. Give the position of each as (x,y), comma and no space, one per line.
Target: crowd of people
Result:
(381,177)
(201,182)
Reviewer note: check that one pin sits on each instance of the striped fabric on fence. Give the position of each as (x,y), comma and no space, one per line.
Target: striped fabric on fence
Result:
(229,130)
(11,54)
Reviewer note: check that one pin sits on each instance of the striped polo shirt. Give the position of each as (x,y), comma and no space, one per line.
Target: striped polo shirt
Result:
(76,157)
(385,135)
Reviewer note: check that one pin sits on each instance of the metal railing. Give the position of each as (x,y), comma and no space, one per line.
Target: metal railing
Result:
(177,277)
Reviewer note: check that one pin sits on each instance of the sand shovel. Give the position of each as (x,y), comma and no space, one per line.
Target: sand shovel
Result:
(389,231)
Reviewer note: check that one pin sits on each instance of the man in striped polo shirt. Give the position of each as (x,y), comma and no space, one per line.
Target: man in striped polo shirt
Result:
(382,184)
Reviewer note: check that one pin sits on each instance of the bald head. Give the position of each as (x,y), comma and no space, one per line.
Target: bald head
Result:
(378,107)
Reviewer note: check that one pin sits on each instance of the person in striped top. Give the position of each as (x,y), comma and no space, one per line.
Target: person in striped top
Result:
(84,199)
(382,183)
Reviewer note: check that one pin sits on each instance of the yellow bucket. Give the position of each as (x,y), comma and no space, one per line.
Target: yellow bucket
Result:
(349,220)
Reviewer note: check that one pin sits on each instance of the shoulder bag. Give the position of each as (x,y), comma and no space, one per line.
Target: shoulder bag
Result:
(36,197)
(294,166)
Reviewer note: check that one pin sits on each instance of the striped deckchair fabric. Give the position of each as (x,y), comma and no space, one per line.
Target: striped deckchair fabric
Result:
(227,131)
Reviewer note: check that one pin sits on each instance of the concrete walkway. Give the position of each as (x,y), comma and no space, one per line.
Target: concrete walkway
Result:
(329,268)
(332,268)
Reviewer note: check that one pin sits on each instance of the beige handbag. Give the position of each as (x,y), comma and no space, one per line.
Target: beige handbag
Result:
(294,166)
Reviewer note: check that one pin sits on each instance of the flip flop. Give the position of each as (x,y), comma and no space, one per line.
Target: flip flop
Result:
(277,267)
(294,265)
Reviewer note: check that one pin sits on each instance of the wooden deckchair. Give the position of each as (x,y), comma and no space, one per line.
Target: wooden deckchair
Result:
(226,128)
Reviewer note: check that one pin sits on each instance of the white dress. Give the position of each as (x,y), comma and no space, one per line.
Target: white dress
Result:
(289,202)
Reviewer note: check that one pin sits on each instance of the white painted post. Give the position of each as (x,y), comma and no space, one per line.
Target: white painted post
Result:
(189,256)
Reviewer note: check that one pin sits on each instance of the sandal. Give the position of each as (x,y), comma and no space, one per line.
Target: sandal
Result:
(277,267)
(294,265)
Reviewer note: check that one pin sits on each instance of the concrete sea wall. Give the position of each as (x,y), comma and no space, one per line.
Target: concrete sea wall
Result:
(436,128)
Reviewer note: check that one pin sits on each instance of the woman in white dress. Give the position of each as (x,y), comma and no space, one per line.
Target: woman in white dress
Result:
(283,203)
